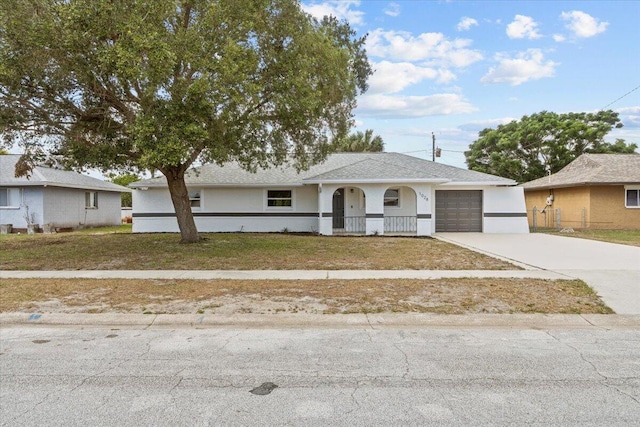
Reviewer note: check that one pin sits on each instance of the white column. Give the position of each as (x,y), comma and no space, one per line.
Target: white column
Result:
(374,209)
(325,208)
(424,215)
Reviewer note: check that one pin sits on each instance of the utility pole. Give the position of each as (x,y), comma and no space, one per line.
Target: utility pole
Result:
(433,147)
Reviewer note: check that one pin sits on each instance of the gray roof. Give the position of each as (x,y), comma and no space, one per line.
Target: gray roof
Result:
(592,169)
(339,167)
(42,175)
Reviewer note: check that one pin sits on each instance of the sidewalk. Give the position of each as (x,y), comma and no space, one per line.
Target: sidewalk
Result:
(280,274)
(371,321)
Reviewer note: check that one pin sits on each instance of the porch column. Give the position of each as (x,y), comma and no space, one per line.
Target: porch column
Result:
(325,208)
(424,216)
(374,212)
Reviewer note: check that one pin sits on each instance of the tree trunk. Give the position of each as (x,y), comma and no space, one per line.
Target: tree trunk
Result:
(182,205)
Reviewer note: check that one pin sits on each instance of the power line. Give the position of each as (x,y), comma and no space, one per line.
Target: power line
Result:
(613,102)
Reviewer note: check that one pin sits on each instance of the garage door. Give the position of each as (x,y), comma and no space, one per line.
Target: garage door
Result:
(459,210)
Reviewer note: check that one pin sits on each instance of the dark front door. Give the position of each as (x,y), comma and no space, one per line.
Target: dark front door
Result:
(338,208)
(458,210)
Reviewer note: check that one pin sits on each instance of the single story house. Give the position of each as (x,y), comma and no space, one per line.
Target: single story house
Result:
(355,193)
(56,198)
(595,191)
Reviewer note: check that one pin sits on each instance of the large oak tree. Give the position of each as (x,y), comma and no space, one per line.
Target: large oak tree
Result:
(543,143)
(161,84)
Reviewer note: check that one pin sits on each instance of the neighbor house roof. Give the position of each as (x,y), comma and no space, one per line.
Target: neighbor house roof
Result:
(340,167)
(45,176)
(592,169)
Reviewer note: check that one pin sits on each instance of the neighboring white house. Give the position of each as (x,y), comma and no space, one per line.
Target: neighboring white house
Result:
(58,198)
(366,193)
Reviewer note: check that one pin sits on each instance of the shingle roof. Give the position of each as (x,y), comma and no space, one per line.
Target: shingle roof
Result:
(42,175)
(343,167)
(592,169)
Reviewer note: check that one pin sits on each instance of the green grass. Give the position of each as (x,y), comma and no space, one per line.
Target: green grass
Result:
(118,249)
(625,237)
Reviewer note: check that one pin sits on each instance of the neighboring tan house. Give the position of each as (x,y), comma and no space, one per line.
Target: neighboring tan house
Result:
(595,191)
(356,193)
(56,198)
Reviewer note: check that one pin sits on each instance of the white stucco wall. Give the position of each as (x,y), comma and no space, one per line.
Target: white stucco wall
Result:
(504,210)
(227,209)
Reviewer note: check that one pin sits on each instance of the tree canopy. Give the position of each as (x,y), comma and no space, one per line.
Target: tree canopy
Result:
(359,142)
(543,143)
(158,85)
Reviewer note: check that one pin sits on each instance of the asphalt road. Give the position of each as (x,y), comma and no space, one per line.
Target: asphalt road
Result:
(356,377)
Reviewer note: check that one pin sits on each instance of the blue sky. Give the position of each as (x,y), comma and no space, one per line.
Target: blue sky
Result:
(456,67)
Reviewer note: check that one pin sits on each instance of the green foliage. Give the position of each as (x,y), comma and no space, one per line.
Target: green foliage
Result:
(124,180)
(134,84)
(360,142)
(543,143)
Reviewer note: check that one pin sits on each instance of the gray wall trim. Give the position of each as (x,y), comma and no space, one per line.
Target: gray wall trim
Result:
(228,214)
(424,216)
(327,214)
(376,216)
(505,214)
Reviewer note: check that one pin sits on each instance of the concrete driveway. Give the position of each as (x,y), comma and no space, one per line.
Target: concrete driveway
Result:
(612,270)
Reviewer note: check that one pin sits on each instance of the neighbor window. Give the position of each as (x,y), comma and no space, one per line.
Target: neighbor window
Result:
(91,200)
(10,197)
(632,199)
(194,198)
(392,197)
(279,198)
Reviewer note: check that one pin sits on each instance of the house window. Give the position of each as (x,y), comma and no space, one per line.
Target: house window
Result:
(10,197)
(195,199)
(91,200)
(632,198)
(392,197)
(279,199)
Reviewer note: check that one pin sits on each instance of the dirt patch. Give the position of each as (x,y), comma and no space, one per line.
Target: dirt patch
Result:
(448,296)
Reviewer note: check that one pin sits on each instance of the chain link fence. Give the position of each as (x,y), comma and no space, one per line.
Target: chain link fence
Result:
(557,218)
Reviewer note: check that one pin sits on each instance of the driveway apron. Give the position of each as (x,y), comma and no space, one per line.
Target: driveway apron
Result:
(612,270)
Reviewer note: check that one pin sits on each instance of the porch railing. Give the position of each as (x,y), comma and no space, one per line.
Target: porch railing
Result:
(353,224)
(392,224)
(400,224)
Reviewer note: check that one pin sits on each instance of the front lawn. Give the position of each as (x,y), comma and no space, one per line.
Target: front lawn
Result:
(99,249)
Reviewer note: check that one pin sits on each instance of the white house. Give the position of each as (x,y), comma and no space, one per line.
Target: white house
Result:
(365,193)
(57,198)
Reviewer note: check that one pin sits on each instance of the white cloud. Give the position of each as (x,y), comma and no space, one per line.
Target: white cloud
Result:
(392,77)
(393,9)
(339,9)
(582,24)
(529,65)
(386,106)
(433,48)
(523,27)
(559,38)
(466,23)
(630,117)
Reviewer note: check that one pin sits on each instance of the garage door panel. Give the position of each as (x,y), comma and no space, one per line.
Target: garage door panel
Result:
(459,210)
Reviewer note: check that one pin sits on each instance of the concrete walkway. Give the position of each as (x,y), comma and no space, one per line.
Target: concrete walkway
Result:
(279,274)
(612,270)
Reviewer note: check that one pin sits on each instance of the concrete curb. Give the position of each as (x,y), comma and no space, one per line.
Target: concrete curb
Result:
(334,321)
(280,274)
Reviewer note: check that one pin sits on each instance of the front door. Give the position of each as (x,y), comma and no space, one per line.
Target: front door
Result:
(338,208)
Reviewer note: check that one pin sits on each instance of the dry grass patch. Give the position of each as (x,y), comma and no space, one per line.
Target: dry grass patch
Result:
(449,296)
(86,251)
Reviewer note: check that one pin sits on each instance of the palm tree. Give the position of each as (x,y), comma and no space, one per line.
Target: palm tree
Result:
(360,142)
